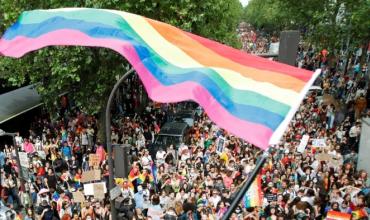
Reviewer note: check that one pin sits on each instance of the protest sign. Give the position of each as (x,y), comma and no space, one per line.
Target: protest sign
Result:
(331,160)
(99,191)
(94,160)
(115,192)
(90,189)
(78,197)
(23,157)
(323,157)
(91,175)
(220,144)
(319,142)
(303,143)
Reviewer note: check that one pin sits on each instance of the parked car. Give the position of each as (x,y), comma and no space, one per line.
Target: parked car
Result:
(187,116)
(174,133)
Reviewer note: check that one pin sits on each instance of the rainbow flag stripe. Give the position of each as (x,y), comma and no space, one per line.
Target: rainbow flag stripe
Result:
(254,195)
(249,96)
(334,215)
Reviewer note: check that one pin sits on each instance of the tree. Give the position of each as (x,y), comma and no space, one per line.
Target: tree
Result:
(265,14)
(88,74)
(323,23)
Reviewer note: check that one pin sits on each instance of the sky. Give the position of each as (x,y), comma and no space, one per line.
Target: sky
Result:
(244,2)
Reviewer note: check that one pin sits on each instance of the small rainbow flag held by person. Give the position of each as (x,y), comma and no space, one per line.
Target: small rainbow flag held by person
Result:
(254,195)
(359,214)
(249,96)
(334,215)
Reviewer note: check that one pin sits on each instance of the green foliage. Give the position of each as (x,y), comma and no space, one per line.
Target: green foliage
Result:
(324,23)
(265,14)
(89,73)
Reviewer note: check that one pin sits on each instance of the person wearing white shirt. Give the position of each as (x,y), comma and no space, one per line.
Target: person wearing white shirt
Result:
(214,199)
(184,152)
(146,160)
(140,142)
(18,140)
(160,156)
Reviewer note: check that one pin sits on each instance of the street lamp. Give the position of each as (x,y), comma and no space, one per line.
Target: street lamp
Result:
(108,137)
(3,133)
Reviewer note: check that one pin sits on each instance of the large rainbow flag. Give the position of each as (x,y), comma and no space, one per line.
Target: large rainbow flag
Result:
(249,96)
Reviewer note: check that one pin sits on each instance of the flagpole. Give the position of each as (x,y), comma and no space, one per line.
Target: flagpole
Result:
(246,185)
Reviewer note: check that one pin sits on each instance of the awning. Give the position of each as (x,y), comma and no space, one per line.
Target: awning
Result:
(17,102)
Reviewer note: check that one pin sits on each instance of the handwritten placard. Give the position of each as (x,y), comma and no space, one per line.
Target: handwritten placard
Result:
(91,175)
(319,142)
(115,192)
(78,197)
(94,160)
(99,191)
(331,160)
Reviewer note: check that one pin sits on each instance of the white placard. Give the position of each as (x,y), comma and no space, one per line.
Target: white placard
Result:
(89,188)
(319,142)
(23,157)
(303,144)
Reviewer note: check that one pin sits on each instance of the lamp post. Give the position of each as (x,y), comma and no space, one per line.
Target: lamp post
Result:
(108,137)
(3,133)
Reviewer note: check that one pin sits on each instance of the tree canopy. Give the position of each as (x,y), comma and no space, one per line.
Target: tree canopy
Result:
(324,23)
(88,74)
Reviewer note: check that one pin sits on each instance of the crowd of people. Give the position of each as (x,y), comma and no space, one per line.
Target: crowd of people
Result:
(253,41)
(311,172)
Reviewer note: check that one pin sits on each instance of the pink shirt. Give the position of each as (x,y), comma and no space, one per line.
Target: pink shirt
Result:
(101,153)
(28,147)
